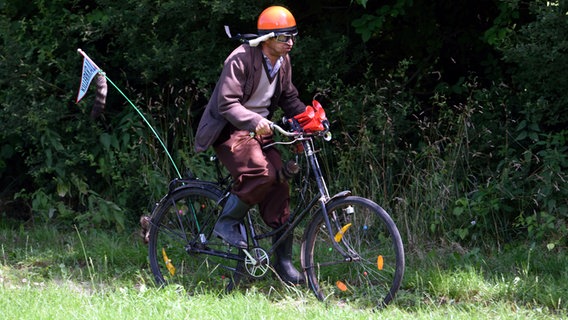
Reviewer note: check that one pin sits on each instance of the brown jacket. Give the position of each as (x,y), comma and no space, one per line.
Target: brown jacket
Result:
(239,78)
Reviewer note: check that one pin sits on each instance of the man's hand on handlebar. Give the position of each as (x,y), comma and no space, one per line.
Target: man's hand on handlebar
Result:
(263,127)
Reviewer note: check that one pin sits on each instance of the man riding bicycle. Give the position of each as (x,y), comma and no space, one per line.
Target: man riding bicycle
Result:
(255,80)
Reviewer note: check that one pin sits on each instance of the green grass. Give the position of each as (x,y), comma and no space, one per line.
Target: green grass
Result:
(48,273)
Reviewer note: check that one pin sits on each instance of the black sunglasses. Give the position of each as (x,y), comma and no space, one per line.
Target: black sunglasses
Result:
(285,37)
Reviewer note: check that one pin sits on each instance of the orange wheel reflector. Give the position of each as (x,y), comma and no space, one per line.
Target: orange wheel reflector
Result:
(380,262)
(341,286)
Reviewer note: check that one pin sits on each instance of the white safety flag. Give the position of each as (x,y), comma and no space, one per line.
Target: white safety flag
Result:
(90,70)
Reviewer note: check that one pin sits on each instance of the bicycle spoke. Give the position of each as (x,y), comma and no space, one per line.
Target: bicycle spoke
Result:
(178,234)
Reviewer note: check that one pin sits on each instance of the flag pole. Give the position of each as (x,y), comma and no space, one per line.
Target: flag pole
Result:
(147,123)
(137,110)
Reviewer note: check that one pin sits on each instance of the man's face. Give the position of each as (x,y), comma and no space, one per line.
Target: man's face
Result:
(278,47)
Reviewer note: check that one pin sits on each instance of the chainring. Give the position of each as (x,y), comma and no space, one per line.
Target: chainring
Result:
(257,262)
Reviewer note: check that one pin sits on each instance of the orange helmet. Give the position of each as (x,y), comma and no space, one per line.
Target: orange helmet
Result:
(276,19)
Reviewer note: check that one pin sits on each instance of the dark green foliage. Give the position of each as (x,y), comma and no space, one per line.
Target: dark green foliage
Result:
(449,114)
(539,55)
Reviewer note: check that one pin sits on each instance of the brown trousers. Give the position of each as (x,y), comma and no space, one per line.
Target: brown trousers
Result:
(254,171)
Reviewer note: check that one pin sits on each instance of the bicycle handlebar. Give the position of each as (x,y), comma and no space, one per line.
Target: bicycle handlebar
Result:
(278,128)
(296,134)
(325,134)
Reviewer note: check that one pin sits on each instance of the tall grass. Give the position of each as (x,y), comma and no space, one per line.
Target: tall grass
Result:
(457,170)
(48,273)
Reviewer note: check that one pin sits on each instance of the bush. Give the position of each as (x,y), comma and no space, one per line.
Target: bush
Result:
(465,156)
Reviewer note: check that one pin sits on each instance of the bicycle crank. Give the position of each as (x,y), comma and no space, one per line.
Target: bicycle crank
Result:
(257,262)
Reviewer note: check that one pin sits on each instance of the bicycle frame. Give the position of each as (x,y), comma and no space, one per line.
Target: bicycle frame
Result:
(184,221)
(322,198)
(301,211)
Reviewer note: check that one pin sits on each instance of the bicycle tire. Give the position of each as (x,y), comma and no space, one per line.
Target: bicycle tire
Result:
(184,221)
(368,233)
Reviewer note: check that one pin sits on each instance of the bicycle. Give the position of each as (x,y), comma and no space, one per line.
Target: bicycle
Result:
(351,249)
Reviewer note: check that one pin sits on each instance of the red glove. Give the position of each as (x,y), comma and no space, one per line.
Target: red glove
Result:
(312,118)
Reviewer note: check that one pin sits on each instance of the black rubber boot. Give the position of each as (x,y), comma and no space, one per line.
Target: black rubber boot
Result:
(228,225)
(283,265)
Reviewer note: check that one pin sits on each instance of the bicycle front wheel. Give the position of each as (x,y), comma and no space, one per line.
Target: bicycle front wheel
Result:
(180,232)
(360,261)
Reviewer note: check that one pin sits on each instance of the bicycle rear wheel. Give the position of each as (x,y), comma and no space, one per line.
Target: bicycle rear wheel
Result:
(368,270)
(180,230)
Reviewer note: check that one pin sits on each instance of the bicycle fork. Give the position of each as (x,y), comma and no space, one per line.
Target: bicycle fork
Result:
(325,198)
